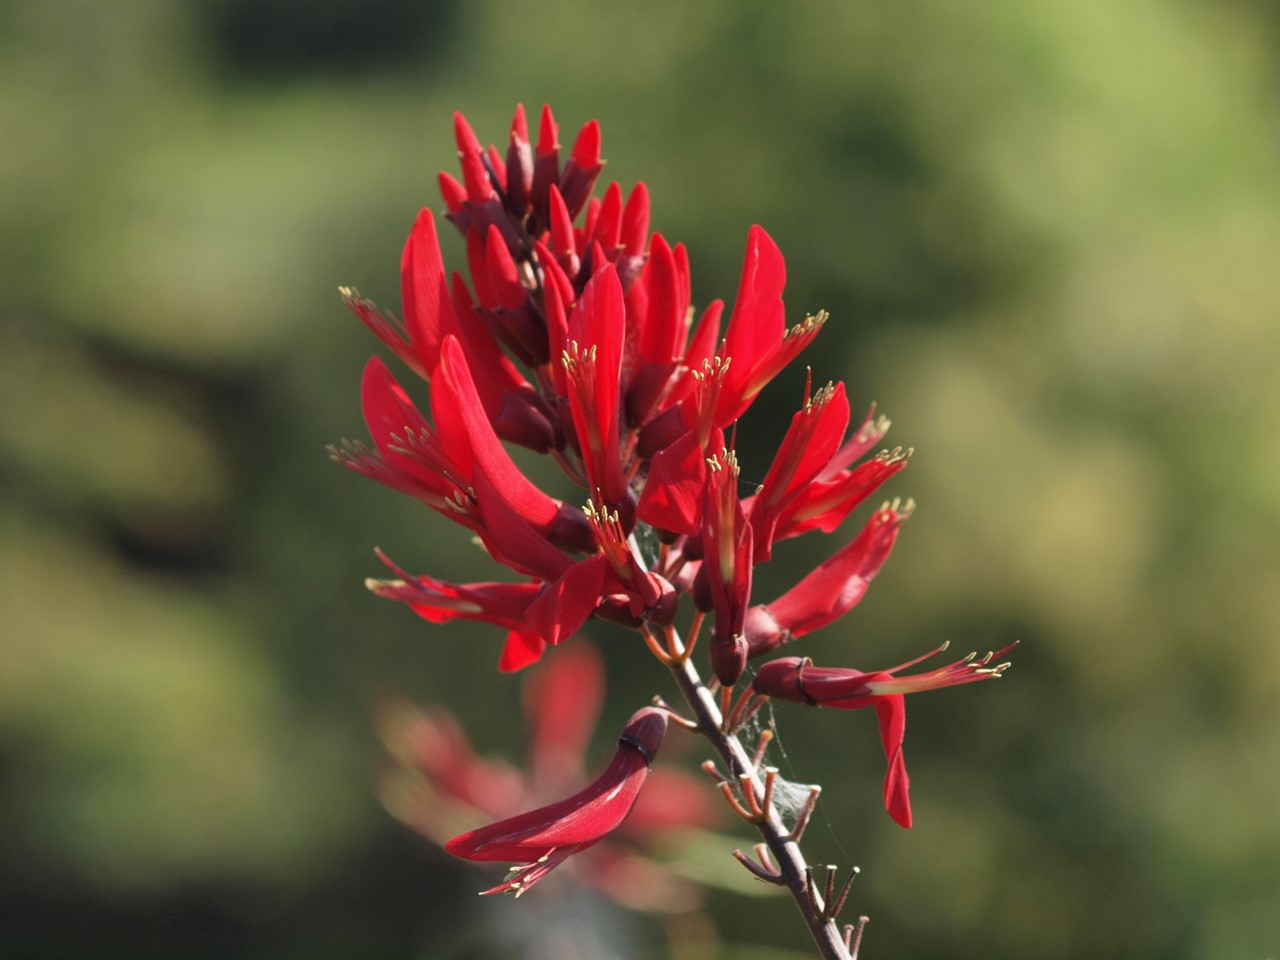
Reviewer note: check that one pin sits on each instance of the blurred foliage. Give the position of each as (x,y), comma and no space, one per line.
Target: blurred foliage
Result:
(1047,235)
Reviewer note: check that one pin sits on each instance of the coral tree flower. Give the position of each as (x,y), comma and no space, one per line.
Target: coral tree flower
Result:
(542,839)
(440,784)
(797,679)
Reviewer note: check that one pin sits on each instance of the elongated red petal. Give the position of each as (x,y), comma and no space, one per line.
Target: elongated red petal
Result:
(635,221)
(810,442)
(424,291)
(608,229)
(463,423)
(665,318)
(579,174)
(396,426)
(756,325)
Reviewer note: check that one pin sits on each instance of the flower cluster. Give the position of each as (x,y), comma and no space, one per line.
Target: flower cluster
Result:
(574,336)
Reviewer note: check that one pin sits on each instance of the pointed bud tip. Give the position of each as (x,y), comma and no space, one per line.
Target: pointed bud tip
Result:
(519,124)
(548,132)
(586,149)
(463,133)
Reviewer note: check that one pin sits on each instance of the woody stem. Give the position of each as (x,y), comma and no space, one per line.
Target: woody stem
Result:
(791,862)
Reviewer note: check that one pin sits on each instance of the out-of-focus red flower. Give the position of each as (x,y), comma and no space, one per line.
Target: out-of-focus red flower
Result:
(797,679)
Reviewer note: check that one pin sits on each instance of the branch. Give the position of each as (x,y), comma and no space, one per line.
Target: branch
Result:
(793,871)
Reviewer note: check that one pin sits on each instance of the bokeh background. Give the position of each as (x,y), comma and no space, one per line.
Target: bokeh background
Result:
(1048,235)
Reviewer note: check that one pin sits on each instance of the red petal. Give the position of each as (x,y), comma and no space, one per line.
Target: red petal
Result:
(563,607)
(494,374)
(672,495)
(548,132)
(510,538)
(503,273)
(892,713)
(664,323)
(563,242)
(756,325)
(586,149)
(522,648)
(462,422)
(635,221)
(608,226)
(428,312)
(597,323)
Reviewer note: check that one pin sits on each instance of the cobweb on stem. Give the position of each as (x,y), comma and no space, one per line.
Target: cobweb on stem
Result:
(789,796)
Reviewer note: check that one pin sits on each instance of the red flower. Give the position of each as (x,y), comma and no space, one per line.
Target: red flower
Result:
(726,545)
(542,839)
(758,342)
(796,679)
(593,366)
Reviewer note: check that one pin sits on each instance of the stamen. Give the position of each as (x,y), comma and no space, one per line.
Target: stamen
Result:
(809,325)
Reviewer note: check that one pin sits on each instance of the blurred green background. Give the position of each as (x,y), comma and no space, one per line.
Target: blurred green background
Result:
(1048,236)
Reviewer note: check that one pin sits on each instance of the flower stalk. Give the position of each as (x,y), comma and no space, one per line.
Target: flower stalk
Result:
(781,842)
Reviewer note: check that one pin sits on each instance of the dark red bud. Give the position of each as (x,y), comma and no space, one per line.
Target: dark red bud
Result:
(660,432)
(783,679)
(728,658)
(526,419)
(519,165)
(616,608)
(763,632)
(579,175)
(572,532)
(663,612)
(692,548)
(546,163)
